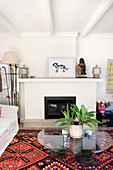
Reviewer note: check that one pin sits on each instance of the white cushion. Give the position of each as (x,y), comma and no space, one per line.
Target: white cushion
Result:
(6,122)
(3,129)
(5,125)
(7,136)
(9,111)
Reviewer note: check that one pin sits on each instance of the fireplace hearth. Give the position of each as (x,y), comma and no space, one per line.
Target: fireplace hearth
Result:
(54,105)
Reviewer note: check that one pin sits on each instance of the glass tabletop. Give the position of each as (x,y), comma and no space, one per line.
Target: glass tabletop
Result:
(92,142)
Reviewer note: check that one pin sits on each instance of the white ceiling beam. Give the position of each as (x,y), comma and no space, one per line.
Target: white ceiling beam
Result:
(48,10)
(4,21)
(97,16)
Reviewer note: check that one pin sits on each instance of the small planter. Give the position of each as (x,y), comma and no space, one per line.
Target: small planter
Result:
(76,131)
(65,131)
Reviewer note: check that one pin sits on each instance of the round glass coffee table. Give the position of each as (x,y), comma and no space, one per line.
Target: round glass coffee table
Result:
(56,140)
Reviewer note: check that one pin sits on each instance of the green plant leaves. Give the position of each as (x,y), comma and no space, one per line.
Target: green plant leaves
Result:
(63,124)
(91,114)
(90,126)
(95,121)
(67,108)
(69,117)
(61,120)
(74,108)
(64,113)
(83,110)
(82,115)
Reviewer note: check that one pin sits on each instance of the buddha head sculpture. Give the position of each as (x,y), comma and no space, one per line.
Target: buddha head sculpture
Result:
(81,68)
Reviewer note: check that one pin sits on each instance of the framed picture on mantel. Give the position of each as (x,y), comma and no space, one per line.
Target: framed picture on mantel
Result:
(61,67)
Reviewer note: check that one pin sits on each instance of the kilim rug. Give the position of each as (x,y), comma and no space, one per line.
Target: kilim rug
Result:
(24,152)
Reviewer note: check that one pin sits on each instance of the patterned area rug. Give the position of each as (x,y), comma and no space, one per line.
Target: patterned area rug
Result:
(24,152)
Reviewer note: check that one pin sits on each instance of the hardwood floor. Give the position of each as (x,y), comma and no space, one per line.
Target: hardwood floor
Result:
(21,126)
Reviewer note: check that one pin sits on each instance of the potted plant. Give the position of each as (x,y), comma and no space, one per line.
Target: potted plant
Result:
(75,118)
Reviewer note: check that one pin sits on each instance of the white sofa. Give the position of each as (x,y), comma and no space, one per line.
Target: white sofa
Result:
(8,125)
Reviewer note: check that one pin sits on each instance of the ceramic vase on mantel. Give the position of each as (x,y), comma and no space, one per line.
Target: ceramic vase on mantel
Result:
(76,131)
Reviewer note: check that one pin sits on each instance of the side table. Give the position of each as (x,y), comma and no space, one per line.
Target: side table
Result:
(106,118)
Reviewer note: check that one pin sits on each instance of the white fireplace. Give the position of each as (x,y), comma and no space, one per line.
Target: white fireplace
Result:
(33,91)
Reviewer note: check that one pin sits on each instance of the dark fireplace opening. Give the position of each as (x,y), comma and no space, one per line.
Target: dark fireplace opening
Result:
(54,105)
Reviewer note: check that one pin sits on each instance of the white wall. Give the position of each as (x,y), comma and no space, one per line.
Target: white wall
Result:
(34,53)
(97,51)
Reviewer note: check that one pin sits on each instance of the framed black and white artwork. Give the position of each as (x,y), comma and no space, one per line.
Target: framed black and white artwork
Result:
(61,67)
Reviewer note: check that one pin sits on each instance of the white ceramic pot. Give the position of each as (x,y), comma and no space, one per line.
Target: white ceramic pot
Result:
(76,131)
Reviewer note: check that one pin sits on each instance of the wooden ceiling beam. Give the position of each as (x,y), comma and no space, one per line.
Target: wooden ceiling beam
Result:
(48,10)
(8,25)
(97,16)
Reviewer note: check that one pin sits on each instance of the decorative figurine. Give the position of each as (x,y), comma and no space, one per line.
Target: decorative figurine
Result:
(81,69)
(96,72)
(102,108)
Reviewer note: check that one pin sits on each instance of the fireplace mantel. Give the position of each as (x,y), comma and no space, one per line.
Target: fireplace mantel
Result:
(60,80)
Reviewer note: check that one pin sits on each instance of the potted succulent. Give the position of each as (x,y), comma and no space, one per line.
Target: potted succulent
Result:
(75,118)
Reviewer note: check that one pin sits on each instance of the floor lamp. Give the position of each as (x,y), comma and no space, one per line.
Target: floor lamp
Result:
(10,59)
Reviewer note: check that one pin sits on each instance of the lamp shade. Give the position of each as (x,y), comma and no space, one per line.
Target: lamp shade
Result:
(9,58)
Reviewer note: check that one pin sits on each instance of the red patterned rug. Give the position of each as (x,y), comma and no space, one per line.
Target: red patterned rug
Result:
(24,152)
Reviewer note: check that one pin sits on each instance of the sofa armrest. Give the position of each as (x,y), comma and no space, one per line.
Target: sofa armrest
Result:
(9,111)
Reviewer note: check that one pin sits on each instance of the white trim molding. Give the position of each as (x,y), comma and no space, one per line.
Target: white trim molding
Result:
(39,35)
(48,11)
(97,16)
(34,34)
(66,34)
(8,25)
(99,36)
(60,80)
